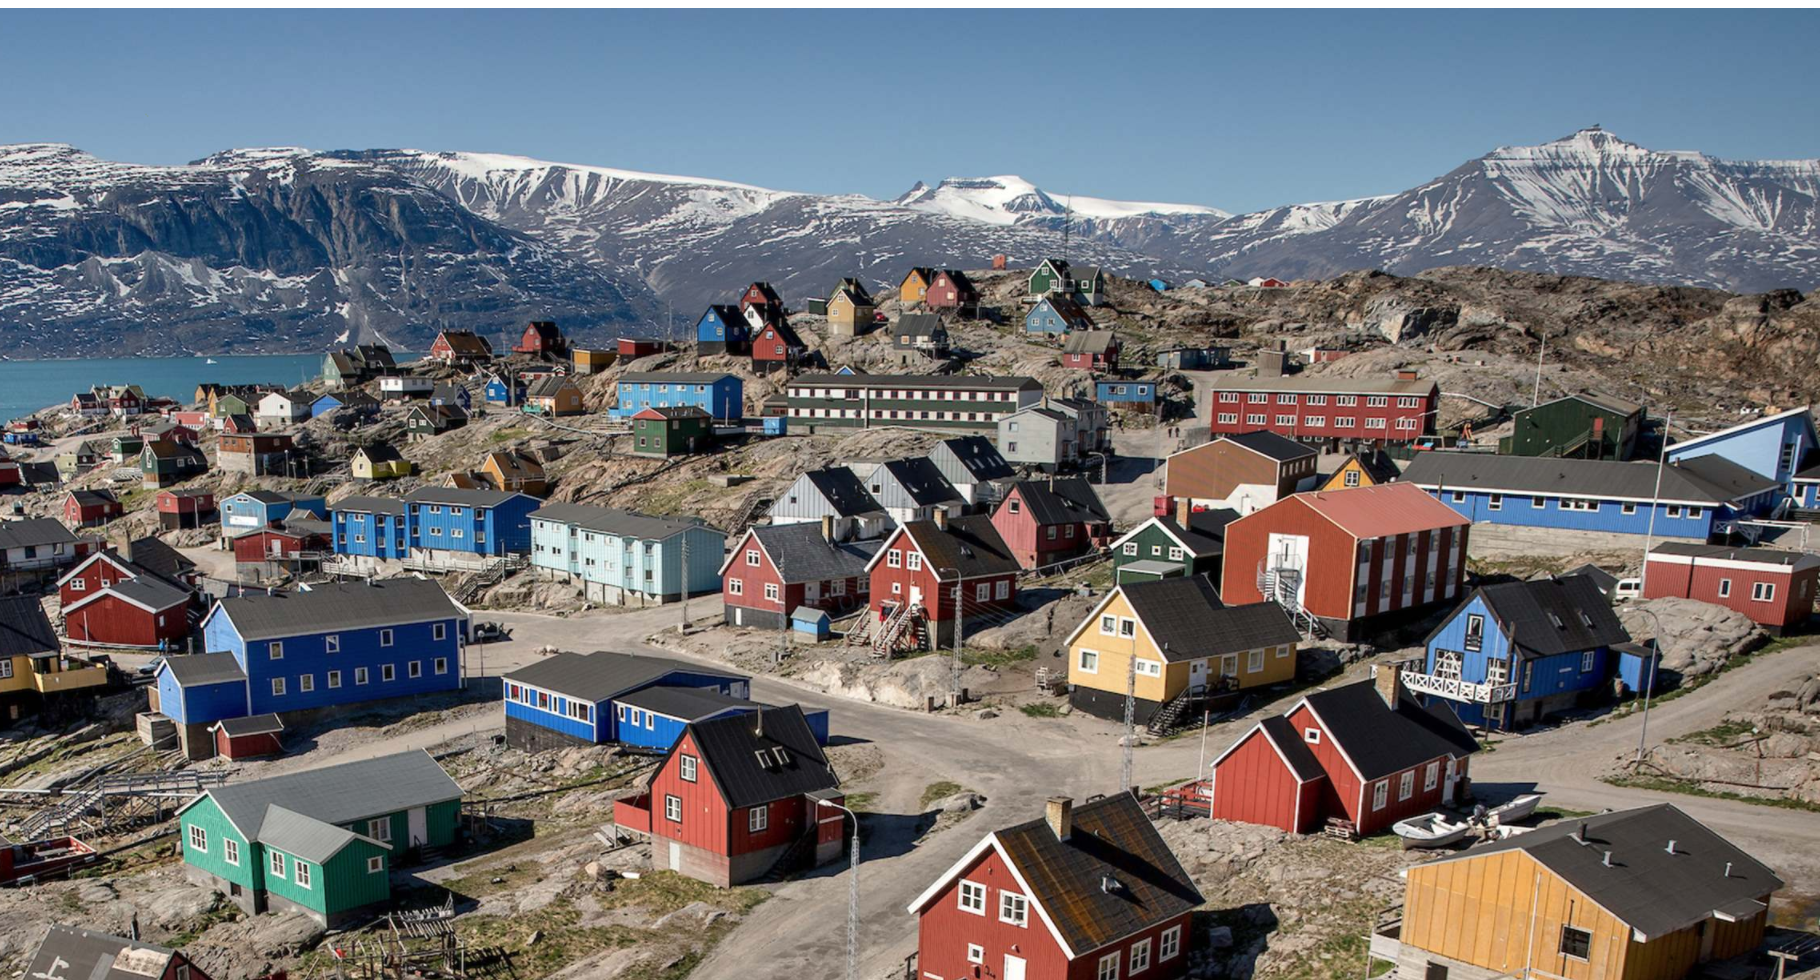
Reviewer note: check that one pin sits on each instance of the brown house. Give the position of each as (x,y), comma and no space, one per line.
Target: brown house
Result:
(514,471)
(1244,472)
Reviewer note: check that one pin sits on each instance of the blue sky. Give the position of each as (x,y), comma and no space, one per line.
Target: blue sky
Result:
(1238,110)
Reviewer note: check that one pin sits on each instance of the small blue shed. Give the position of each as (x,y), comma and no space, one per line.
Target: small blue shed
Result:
(1636,663)
(812,622)
(775,425)
(1159,285)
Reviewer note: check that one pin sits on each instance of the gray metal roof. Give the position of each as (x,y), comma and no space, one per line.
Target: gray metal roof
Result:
(1089,342)
(80,954)
(1707,480)
(151,591)
(457,497)
(975,454)
(31,532)
(1645,886)
(603,675)
(304,837)
(369,505)
(266,724)
(801,554)
(684,703)
(337,605)
(1012,382)
(624,523)
(1797,560)
(201,669)
(339,794)
(920,479)
(24,628)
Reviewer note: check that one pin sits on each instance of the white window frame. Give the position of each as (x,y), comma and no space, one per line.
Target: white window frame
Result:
(971,897)
(375,864)
(1380,794)
(277,687)
(1013,908)
(334,679)
(385,637)
(388,673)
(331,643)
(672,808)
(1140,957)
(361,676)
(1169,946)
(1109,967)
(198,839)
(275,650)
(306,683)
(1406,786)
(439,631)
(275,867)
(1763,592)
(300,874)
(1725,588)
(1088,661)
(976,953)
(686,768)
(414,669)
(1254,660)
(230,851)
(442,665)
(758,819)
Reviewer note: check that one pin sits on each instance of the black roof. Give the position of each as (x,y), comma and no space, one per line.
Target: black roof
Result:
(68,951)
(676,377)
(1065,501)
(336,605)
(1551,616)
(801,554)
(1189,622)
(739,752)
(24,628)
(380,452)
(201,669)
(1295,751)
(1765,556)
(978,456)
(686,703)
(266,724)
(1380,741)
(1604,580)
(603,675)
(969,545)
(921,479)
(729,315)
(33,531)
(1111,839)
(1645,886)
(159,559)
(844,490)
(1377,465)
(1271,445)
(90,498)
(921,324)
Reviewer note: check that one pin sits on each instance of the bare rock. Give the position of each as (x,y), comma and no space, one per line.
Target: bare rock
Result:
(179,905)
(1696,637)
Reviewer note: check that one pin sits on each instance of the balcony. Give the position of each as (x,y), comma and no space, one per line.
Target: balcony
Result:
(76,675)
(1455,689)
(632,816)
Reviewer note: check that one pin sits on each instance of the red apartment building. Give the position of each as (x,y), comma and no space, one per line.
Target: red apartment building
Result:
(1335,412)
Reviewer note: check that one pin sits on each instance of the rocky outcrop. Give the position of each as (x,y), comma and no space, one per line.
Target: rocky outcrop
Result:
(1696,637)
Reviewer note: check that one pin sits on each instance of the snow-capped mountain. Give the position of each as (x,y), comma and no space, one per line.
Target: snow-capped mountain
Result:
(1587,204)
(284,248)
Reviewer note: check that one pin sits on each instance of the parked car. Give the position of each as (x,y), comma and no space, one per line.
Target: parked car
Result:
(151,666)
(1626,589)
(489,632)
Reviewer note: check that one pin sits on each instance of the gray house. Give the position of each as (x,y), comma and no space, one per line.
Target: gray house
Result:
(835,495)
(925,332)
(1038,436)
(974,466)
(913,490)
(1092,424)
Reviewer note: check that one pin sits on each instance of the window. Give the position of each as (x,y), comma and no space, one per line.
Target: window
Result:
(1475,632)
(1674,510)
(771,591)
(1257,419)
(1351,478)
(973,897)
(306,683)
(1285,399)
(758,818)
(442,665)
(199,839)
(914,561)
(1109,967)
(1459,496)
(1285,420)
(1725,588)
(1140,956)
(735,587)
(687,766)
(77,585)
(439,631)
(334,679)
(1175,554)
(277,687)
(1149,668)
(388,673)
(752,556)
(360,676)
(275,650)
(1311,735)
(1495,502)
(1127,626)
(982,592)
(1257,399)
(331,643)
(1629,509)
(1380,794)
(1314,421)
(380,828)
(414,669)
(1170,945)
(894,559)
(1013,908)
(976,953)
(673,808)
(1762,591)
(375,864)
(1406,786)
(1576,943)
(385,638)
(300,873)
(1376,401)
(277,869)
(1431,776)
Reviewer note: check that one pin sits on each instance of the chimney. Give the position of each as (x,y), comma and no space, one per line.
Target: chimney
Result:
(758,721)
(1184,508)
(1060,816)
(1407,374)
(828,527)
(1671,845)
(1606,860)
(1387,678)
(1579,834)
(941,518)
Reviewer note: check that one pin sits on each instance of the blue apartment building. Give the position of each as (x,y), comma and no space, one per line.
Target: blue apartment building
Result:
(720,395)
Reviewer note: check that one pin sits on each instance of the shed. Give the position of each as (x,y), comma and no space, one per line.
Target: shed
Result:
(811,621)
(250,737)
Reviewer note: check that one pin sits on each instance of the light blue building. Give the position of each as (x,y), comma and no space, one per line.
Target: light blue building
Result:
(622,557)
(1697,498)
(320,647)
(446,523)
(1057,315)
(575,698)
(723,330)
(720,395)
(1517,652)
(370,528)
(266,508)
(1776,447)
(1126,395)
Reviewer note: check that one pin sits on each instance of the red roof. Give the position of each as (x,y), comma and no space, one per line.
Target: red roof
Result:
(1383,510)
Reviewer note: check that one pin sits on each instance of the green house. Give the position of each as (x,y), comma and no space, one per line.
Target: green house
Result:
(321,842)
(1085,286)
(671,431)
(1588,425)
(1162,547)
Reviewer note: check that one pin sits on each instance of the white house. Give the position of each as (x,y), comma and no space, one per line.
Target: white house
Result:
(284,407)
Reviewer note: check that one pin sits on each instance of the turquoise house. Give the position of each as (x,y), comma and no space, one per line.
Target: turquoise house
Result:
(626,558)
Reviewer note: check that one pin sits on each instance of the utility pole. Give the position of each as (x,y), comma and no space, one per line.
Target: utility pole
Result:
(954,665)
(1535,398)
(1125,763)
(1655,503)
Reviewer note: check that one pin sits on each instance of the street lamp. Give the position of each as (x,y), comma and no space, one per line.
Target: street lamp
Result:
(852,891)
(1649,687)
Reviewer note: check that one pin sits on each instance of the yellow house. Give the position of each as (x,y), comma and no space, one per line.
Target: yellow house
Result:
(593,361)
(34,668)
(1644,894)
(1366,468)
(1188,647)
(378,462)
(915,286)
(849,313)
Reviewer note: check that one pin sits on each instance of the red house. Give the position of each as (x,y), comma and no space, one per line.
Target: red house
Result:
(112,601)
(286,542)
(1091,350)
(195,420)
(251,737)
(761,295)
(1366,753)
(738,797)
(776,347)
(1325,410)
(635,347)
(1049,521)
(541,337)
(951,290)
(10,472)
(1083,893)
(1776,589)
(777,568)
(1348,559)
(185,508)
(90,508)
(461,347)
(915,572)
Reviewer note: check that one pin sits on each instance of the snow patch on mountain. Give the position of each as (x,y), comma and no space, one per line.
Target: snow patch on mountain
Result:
(1010,199)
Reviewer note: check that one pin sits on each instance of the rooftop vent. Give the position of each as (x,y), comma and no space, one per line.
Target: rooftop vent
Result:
(1111,885)
(1671,845)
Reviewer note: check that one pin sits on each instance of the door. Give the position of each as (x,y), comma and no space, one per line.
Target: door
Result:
(675,856)
(1288,558)
(811,592)
(277,549)
(739,616)
(916,595)
(1453,777)
(1014,968)
(418,826)
(1197,676)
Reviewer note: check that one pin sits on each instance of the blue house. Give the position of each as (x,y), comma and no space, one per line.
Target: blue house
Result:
(720,395)
(444,523)
(1517,652)
(1057,315)
(1126,395)
(1159,285)
(370,527)
(504,390)
(723,330)
(1775,447)
(1698,497)
(451,394)
(574,698)
(811,622)
(266,508)
(327,645)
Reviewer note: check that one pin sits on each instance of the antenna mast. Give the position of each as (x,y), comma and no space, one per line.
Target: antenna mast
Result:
(1130,721)
(1067,220)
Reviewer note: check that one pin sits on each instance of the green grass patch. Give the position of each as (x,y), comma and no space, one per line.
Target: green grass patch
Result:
(1688,787)
(1041,709)
(1724,733)
(508,435)
(997,658)
(939,791)
(862,802)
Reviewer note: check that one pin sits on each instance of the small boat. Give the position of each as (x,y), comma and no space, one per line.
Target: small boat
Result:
(1429,830)
(1518,809)
(1504,833)
(211,361)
